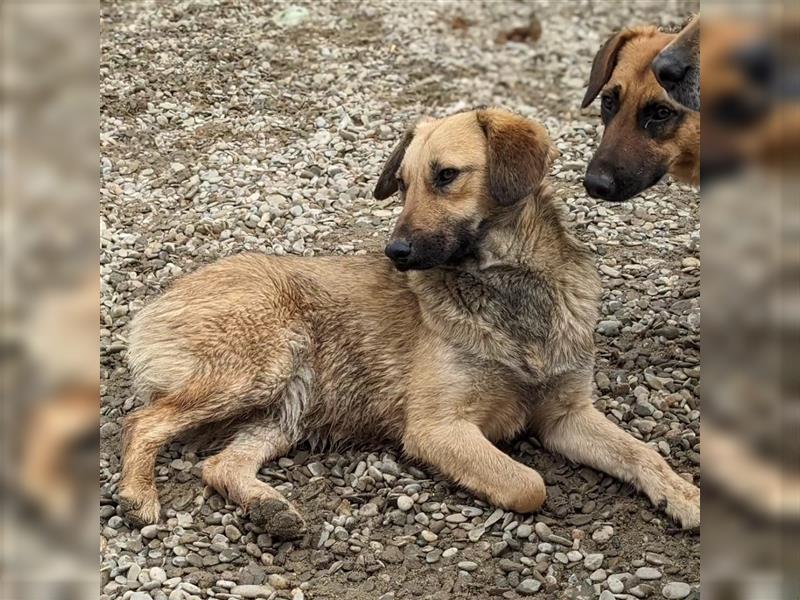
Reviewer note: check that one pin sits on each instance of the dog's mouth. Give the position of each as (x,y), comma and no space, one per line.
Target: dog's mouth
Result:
(423,261)
(418,264)
(630,189)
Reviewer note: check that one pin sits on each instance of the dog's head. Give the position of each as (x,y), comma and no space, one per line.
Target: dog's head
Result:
(647,134)
(677,67)
(454,173)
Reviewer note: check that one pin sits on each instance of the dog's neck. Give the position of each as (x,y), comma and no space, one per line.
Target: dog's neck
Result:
(528,235)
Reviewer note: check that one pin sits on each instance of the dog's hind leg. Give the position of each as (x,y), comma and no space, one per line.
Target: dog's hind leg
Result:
(145,431)
(149,428)
(233,471)
(569,424)
(219,394)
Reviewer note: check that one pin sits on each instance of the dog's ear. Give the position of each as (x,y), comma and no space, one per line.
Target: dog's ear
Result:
(387,182)
(519,154)
(604,62)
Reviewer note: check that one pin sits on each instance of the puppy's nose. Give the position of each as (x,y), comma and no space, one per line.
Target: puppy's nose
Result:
(398,250)
(669,71)
(599,185)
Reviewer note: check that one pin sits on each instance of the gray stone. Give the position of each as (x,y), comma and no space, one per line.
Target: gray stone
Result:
(494,518)
(498,548)
(648,573)
(467,565)
(603,534)
(476,533)
(529,586)
(543,531)
(149,531)
(574,555)
(456,518)
(593,561)
(253,591)
(524,531)
(676,590)
(616,582)
(368,510)
(405,503)
(609,328)
(428,536)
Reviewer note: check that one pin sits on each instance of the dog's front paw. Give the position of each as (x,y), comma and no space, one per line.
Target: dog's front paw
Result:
(683,504)
(278,517)
(140,508)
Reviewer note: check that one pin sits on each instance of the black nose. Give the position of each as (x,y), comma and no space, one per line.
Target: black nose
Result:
(398,250)
(599,185)
(669,71)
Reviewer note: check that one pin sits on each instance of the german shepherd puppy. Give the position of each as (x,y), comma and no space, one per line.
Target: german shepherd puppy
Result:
(479,327)
(647,133)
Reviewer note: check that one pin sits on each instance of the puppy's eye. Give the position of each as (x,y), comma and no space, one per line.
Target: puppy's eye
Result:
(446,176)
(607,102)
(401,185)
(662,113)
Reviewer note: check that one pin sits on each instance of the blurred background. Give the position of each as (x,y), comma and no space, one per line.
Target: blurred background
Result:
(750,298)
(49,312)
(750,223)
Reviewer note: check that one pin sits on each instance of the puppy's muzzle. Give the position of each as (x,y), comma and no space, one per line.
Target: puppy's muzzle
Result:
(600,184)
(398,251)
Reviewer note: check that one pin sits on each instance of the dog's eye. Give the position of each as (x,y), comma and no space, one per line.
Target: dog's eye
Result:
(446,176)
(662,113)
(607,102)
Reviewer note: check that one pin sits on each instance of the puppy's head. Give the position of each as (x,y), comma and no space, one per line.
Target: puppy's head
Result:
(647,134)
(452,174)
(677,67)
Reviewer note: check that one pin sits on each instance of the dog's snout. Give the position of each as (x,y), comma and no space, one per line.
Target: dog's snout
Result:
(669,71)
(599,184)
(398,250)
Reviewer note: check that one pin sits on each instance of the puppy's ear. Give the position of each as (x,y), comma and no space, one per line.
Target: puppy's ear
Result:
(519,154)
(387,182)
(604,62)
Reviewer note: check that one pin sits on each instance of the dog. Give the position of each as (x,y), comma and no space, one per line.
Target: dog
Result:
(677,67)
(476,328)
(647,134)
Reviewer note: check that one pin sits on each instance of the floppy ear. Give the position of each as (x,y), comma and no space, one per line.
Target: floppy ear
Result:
(387,182)
(604,62)
(519,154)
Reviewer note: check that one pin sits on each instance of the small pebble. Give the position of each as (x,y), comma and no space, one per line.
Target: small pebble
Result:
(405,503)
(676,590)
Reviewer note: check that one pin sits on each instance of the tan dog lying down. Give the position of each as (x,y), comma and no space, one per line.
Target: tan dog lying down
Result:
(479,328)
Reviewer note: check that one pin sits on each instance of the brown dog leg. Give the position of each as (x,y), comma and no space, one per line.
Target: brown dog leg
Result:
(149,428)
(460,451)
(145,431)
(571,426)
(233,471)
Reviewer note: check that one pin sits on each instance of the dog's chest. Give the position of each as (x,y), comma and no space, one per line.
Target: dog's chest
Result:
(501,314)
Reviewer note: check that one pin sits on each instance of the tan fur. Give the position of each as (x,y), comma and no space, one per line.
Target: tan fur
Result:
(444,362)
(624,62)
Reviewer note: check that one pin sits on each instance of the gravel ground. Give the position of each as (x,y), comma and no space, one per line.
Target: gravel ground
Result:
(223,132)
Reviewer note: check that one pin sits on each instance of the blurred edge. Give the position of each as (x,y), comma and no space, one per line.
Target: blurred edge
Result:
(750,227)
(750,88)
(49,353)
